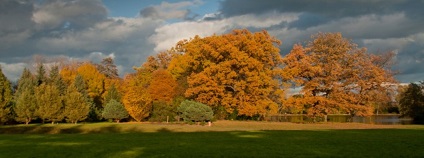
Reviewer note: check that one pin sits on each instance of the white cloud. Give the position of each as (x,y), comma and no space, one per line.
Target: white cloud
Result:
(168,35)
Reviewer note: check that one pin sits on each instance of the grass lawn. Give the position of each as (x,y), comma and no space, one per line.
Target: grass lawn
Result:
(223,139)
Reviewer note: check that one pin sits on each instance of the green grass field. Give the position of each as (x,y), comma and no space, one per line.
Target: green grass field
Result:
(223,139)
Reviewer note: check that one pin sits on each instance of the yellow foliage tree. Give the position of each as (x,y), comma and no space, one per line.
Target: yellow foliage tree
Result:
(94,80)
(136,99)
(238,71)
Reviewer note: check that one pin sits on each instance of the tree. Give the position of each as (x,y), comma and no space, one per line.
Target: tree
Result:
(112,93)
(56,79)
(412,102)
(81,87)
(94,81)
(5,97)
(136,99)
(336,76)
(115,110)
(76,106)
(49,103)
(69,72)
(163,111)
(163,86)
(40,76)
(160,61)
(238,71)
(195,111)
(108,68)
(26,104)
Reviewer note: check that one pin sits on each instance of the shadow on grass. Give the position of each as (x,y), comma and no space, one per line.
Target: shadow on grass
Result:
(111,142)
(64,129)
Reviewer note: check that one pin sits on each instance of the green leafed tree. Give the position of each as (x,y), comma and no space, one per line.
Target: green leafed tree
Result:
(49,103)
(26,105)
(195,111)
(112,93)
(115,110)
(76,106)
(412,103)
(5,97)
(163,111)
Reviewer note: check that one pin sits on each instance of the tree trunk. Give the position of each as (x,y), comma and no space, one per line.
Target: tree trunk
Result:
(117,120)
(52,122)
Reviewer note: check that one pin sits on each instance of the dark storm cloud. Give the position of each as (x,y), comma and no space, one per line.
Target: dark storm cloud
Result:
(76,29)
(317,12)
(16,24)
(77,14)
(15,15)
(379,25)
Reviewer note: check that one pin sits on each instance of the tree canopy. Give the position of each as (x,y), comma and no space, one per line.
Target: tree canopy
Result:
(238,71)
(412,102)
(336,76)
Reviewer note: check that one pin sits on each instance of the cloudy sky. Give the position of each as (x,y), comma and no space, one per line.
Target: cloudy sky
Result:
(131,30)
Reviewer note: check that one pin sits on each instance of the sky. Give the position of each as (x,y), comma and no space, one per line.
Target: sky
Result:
(131,30)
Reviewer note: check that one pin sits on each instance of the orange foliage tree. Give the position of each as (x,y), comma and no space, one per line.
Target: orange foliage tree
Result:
(336,77)
(238,71)
(163,86)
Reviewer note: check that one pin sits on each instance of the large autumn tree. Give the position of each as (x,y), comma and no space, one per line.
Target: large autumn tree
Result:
(238,71)
(136,99)
(336,77)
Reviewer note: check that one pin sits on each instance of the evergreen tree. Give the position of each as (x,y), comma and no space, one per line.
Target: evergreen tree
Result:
(26,105)
(41,74)
(76,105)
(115,110)
(112,93)
(195,111)
(49,103)
(81,87)
(5,97)
(56,79)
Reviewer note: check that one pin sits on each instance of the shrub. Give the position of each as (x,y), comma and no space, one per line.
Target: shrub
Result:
(161,111)
(192,111)
(114,110)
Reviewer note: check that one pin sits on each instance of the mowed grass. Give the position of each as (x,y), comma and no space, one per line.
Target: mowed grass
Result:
(223,139)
